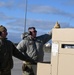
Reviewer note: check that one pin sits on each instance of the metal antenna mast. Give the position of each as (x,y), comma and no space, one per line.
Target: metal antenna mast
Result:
(25,15)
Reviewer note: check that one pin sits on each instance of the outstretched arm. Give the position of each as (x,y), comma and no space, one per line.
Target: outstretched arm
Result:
(18,54)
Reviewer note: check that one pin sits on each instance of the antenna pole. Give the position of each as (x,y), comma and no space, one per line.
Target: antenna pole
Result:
(25,15)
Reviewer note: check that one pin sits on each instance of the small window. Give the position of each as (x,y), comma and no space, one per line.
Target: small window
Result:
(67,45)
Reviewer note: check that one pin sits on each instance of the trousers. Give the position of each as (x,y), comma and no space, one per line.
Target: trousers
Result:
(5,72)
(27,69)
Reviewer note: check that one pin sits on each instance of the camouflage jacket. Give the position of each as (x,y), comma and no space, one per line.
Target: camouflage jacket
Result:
(34,47)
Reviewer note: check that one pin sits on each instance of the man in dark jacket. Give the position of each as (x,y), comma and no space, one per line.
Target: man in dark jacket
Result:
(7,50)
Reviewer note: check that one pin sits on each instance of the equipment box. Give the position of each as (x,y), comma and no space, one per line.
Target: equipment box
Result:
(43,69)
(62,54)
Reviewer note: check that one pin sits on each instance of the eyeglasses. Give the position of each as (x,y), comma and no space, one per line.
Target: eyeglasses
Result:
(34,31)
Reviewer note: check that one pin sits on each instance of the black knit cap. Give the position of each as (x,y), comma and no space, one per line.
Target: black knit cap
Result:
(31,28)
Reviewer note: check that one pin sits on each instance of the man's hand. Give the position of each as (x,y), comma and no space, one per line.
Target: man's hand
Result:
(57,25)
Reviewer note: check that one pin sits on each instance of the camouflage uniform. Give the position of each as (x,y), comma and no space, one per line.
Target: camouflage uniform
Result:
(7,50)
(34,49)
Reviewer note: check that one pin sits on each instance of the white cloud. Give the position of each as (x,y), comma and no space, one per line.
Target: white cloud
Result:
(15,25)
(4,17)
(49,10)
(13,4)
(37,8)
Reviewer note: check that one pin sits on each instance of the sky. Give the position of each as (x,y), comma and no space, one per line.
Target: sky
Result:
(42,14)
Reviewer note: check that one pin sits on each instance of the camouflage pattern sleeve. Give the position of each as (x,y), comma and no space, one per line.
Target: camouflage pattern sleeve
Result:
(18,54)
(22,46)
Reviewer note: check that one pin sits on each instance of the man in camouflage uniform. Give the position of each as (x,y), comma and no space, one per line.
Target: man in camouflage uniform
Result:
(7,50)
(33,46)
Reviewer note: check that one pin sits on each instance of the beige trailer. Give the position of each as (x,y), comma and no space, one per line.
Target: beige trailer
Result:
(62,54)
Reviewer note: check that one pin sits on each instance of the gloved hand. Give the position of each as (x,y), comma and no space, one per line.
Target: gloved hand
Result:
(57,25)
(23,67)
